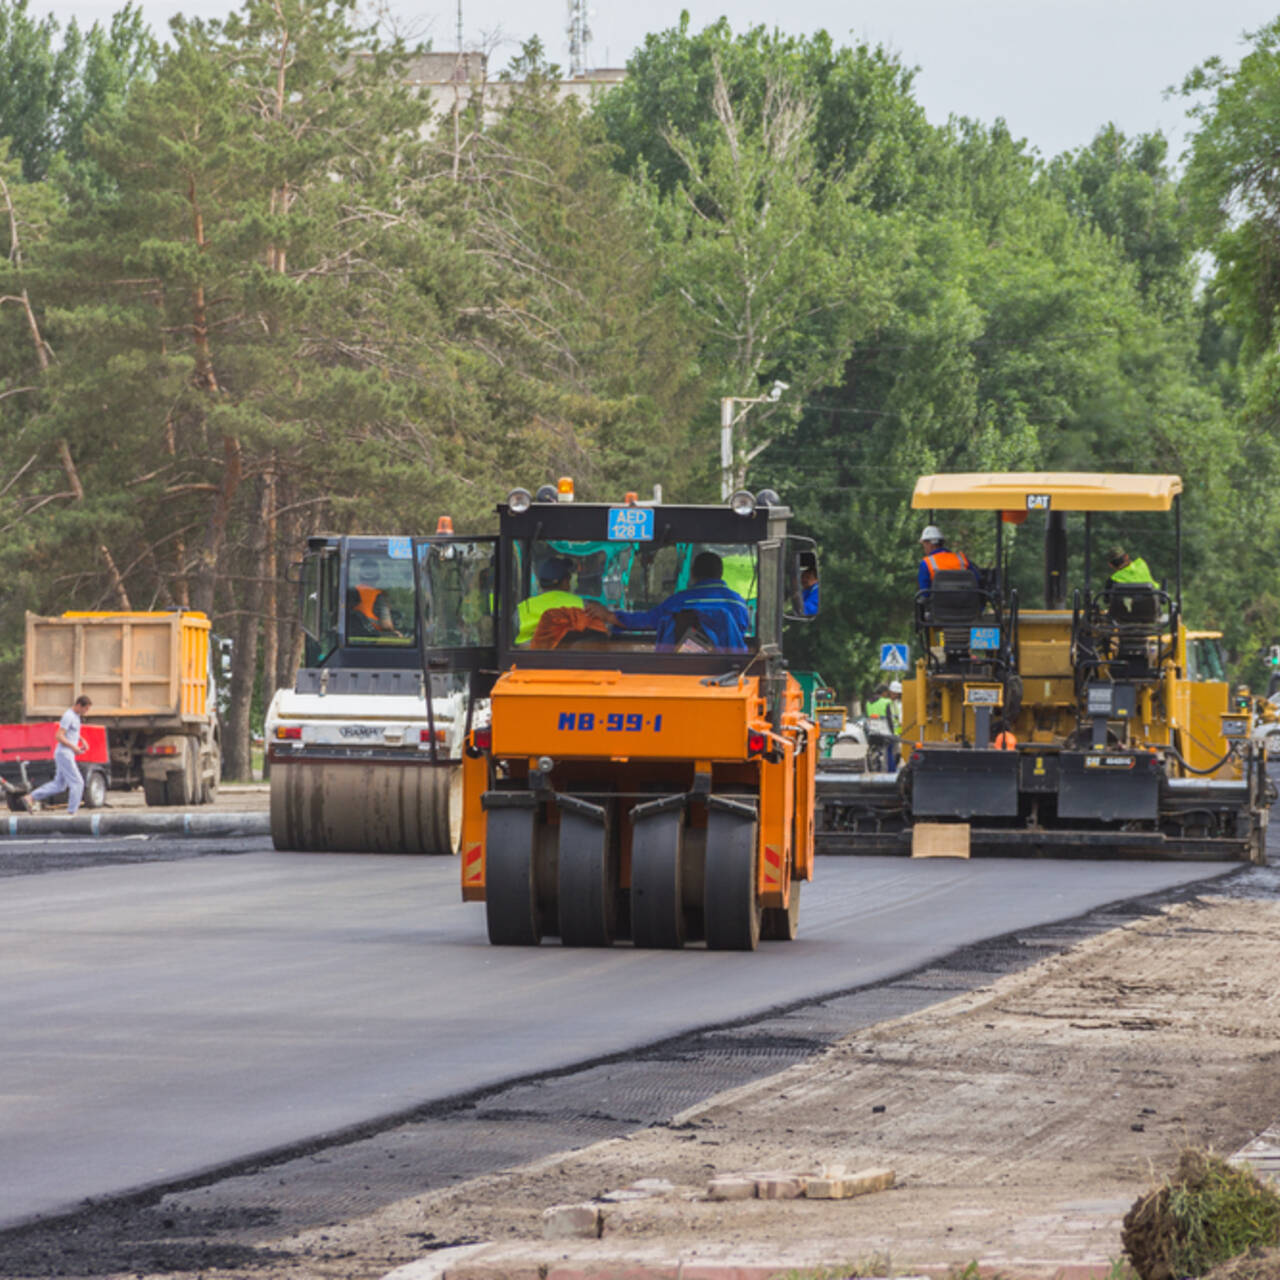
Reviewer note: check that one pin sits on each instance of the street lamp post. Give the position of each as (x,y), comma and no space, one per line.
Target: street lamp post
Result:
(729,420)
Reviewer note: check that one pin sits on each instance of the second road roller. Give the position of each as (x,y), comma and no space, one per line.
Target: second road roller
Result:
(361,760)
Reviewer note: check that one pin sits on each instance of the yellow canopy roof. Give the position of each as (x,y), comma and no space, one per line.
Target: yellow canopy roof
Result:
(1046,491)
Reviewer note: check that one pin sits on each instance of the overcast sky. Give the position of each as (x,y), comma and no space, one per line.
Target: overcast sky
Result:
(1054,69)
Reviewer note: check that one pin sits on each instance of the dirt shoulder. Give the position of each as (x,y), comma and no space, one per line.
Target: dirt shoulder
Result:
(1021,1120)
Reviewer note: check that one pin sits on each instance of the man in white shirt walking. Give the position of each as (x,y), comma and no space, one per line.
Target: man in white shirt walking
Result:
(67,773)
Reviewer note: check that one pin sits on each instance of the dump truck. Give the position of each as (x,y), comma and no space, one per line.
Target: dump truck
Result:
(150,677)
(360,759)
(1120,734)
(639,778)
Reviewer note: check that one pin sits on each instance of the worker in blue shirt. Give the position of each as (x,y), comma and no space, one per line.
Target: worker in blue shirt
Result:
(936,555)
(809,589)
(722,614)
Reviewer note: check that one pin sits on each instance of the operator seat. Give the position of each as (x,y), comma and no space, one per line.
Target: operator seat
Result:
(953,599)
(946,615)
(1131,617)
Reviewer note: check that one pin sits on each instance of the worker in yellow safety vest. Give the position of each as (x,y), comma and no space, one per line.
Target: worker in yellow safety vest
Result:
(555,576)
(1127,569)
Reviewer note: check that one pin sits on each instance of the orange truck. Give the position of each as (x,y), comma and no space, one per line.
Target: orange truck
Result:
(638,777)
(150,677)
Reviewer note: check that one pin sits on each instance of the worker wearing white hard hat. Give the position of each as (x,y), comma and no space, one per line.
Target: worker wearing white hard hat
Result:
(895,702)
(937,555)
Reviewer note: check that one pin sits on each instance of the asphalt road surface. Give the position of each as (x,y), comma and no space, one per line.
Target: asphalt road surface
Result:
(163,1018)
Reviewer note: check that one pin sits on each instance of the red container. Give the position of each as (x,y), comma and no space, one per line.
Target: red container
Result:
(37,741)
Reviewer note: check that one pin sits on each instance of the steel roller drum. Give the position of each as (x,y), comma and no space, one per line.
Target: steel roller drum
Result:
(366,807)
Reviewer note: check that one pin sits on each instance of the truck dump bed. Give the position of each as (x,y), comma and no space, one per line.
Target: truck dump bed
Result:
(139,668)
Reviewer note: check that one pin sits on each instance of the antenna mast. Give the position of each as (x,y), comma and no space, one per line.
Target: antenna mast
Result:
(579,37)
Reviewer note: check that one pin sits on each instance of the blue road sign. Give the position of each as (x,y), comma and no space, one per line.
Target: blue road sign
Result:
(894,657)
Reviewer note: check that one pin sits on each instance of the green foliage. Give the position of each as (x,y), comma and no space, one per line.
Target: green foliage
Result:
(1230,187)
(1126,189)
(51,90)
(938,299)
(1207,1213)
(863,112)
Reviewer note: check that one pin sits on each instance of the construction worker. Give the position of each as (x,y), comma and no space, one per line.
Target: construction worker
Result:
(555,577)
(66,776)
(722,614)
(880,708)
(887,706)
(1126,569)
(936,555)
(809,588)
(368,602)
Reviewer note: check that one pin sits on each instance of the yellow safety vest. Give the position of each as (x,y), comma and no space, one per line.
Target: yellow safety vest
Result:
(530,610)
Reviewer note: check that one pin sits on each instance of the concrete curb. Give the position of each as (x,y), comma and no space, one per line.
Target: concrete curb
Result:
(467,1263)
(98,823)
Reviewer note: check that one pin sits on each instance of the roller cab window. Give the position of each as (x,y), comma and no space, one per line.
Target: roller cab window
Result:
(380,601)
(670,596)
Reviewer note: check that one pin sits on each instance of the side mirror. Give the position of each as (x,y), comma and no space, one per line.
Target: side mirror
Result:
(802,579)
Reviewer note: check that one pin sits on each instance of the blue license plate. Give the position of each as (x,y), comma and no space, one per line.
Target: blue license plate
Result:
(630,524)
(984,637)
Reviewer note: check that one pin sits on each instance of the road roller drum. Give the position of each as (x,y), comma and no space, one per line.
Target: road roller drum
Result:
(366,807)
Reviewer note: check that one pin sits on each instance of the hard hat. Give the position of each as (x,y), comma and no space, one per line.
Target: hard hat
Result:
(931,534)
(895,686)
(553,568)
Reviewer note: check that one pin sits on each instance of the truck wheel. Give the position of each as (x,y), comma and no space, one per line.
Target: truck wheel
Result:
(657,894)
(213,764)
(511,882)
(95,790)
(155,791)
(183,787)
(731,908)
(588,875)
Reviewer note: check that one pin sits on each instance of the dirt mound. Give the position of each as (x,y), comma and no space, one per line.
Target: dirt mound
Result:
(1259,1264)
(1209,1215)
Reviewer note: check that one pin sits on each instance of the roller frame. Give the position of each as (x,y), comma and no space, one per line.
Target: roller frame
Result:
(782,924)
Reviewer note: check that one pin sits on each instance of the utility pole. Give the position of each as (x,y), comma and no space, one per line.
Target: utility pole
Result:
(729,477)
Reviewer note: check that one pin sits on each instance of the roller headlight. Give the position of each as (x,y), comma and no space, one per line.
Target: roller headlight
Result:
(519,500)
(742,503)
(768,498)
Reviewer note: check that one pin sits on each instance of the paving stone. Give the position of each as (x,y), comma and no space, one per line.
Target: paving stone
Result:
(730,1188)
(781,1187)
(572,1222)
(844,1186)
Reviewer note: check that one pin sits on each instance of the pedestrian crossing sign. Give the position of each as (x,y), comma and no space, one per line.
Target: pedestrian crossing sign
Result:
(893,657)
